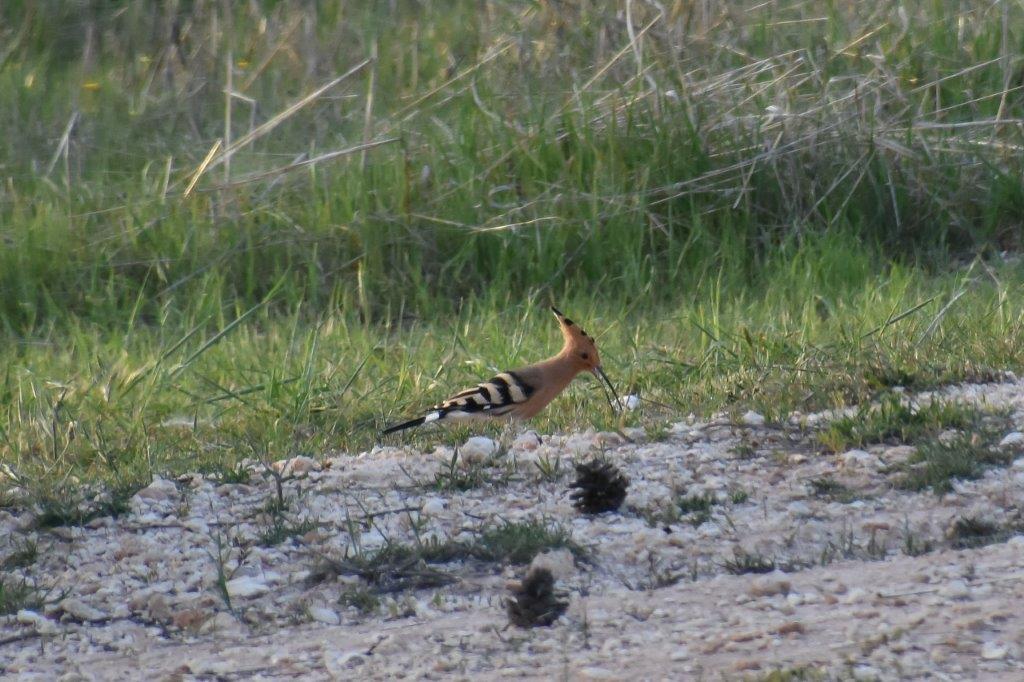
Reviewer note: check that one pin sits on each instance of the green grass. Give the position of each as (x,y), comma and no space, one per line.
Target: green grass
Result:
(744,562)
(397,567)
(804,206)
(831,489)
(17,594)
(936,464)
(969,532)
(520,542)
(697,507)
(894,419)
(277,528)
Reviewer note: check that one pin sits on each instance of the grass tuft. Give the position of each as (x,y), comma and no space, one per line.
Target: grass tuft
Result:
(744,562)
(520,542)
(937,463)
(894,420)
(831,489)
(969,532)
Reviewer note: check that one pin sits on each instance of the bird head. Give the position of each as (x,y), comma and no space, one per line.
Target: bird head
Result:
(581,349)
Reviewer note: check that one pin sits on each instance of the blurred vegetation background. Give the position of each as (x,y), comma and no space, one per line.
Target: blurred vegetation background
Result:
(282,223)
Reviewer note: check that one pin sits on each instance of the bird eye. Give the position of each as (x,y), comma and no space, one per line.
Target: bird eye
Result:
(585,356)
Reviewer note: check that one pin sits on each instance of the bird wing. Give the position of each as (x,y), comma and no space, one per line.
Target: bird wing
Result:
(494,397)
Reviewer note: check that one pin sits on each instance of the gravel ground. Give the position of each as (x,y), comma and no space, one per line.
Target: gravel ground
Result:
(868,581)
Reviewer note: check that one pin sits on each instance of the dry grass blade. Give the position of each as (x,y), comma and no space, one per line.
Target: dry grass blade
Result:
(202,168)
(268,126)
(328,156)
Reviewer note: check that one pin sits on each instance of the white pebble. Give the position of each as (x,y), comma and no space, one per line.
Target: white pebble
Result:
(79,610)
(956,589)
(322,614)
(859,459)
(559,561)
(432,506)
(1014,440)
(477,449)
(246,586)
(993,651)
(800,509)
(526,441)
(295,466)
(751,418)
(160,489)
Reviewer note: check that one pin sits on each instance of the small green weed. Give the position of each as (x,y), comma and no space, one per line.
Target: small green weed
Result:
(828,488)
(392,568)
(16,595)
(519,542)
(914,545)
(460,475)
(739,496)
(360,598)
(697,507)
(936,464)
(895,420)
(23,554)
(744,562)
(549,467)
(228,473)
(801,674)
(969,532)
(278,529)
(73,507)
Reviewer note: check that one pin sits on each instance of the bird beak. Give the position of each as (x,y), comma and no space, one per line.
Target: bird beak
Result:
(599,373)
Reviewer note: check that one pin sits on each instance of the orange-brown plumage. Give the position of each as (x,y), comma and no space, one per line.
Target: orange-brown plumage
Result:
(522,393)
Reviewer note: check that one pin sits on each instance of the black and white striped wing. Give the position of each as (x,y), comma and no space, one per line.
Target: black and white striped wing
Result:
(493,398)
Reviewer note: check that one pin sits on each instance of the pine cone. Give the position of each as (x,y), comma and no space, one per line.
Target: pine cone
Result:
(600,487)
(535,602)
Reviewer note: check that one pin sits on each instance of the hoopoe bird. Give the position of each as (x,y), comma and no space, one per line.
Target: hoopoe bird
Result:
(522,393)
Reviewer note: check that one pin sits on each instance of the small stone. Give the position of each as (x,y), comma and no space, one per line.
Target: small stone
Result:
(26,617)
(157,608)
(40,623)
(866,673)
(751,418)
(766,586)
(322,614)
(295,466)
(559,561)
(339,664)
(1013,440)
(898,454)
(860,459)
(630,402)
(857,594)
(81,611)
(190,619)
(477,449)
(432,506)
(222,622)
(526,441)
(791,628)
(956,589)
(800,509)
(246,586)
(993,651)
(159,490)
(596,673)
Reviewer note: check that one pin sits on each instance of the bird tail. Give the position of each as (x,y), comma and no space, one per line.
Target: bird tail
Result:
(404,425)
